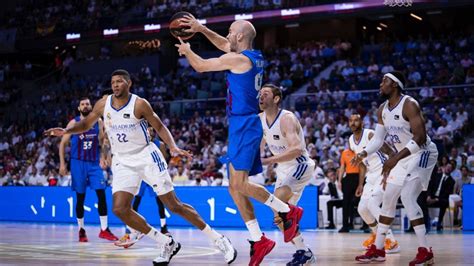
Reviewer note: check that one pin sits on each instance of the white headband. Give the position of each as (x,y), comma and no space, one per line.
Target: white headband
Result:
(392,77)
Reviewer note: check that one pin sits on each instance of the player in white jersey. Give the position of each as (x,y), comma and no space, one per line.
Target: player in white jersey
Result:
(407,173)
(370,171)
(135,158)
(283,134)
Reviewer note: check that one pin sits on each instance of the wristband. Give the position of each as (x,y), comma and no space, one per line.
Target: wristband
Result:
(413,147)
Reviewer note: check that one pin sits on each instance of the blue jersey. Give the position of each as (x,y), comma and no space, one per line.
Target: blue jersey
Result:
(243,89)
(85,146)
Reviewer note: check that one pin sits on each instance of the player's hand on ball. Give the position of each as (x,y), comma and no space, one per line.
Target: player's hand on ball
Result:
(55,132)
(179,152)
(183,47)
(192,23)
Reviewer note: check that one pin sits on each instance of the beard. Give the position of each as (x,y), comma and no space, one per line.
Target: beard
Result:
(86,112)
(384,96)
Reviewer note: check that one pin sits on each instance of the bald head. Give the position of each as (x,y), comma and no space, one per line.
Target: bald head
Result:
(245,28)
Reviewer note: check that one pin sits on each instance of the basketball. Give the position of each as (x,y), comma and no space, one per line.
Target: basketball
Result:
(175,26)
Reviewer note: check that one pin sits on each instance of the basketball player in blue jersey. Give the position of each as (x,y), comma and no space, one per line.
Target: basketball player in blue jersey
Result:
(87,162)
(136,159)
(244,69)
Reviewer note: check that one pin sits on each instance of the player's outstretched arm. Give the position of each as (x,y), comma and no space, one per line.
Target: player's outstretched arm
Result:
(144,110)
(195,26)
(81,126)
(290,129)
(62,147)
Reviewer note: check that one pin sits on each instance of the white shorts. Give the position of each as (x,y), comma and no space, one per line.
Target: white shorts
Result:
(295,176)
(418,165)
(372,184)
(148,165)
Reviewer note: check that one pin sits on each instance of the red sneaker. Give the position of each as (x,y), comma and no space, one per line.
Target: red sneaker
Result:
(259,249)
(291,222)
(424,257)
(82,235)
(372,254)
(106,234)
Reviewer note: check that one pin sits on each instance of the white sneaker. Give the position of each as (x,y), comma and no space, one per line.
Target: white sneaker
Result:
(167,251)
(129,240)
(225,246)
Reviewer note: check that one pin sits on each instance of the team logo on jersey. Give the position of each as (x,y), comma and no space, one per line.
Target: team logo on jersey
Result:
(383,116)
(109,116)
(81,136)
(276,137)
(126,115)
(396,117)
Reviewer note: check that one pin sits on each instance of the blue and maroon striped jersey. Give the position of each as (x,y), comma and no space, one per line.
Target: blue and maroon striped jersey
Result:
(85,146)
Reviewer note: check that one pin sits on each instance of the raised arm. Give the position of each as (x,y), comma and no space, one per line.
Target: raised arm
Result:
(62,147)
(81,126)
(144,110)
(195,26)
(230,61)
(290,129)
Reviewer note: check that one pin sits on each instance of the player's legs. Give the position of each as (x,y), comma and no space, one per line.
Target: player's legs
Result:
(182,209)
(161,212)
(136,203)
(79,185)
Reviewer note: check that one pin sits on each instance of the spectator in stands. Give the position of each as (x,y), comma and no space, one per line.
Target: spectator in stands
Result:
(354,95)
(439,189)
(331,187)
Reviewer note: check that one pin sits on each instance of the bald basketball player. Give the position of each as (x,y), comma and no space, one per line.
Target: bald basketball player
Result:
(244,69)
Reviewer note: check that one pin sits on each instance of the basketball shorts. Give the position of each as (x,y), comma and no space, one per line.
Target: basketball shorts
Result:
(148,165)
(144,187)
(419,165)
(245,136)
(373,184)
(296,177)
(86,174)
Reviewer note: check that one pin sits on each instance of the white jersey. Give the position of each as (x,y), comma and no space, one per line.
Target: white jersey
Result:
(127,134)
(374,161)
(399,132)
(279,144)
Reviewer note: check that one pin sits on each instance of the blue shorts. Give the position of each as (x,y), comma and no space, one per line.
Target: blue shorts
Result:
(245,136)
(143,187)
(85,174)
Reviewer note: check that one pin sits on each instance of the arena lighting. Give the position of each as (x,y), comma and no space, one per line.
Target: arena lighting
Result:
(108,32)
(346,6)
(150,27)
(292,25)
(364,27)
(202,21)
(243,16)
(290,12)
(416,17)
(73,36)
(383,25)
(380,29)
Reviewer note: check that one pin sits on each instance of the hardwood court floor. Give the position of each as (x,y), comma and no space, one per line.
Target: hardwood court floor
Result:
(56,244)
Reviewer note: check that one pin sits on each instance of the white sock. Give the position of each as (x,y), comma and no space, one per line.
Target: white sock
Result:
(299,243)
(211,233)
(80,222)
(390,235)
(158,236)
(374,229)
(103,222)
(254,230)
(276,204)
(381,233)
(163,222)
(420,231)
